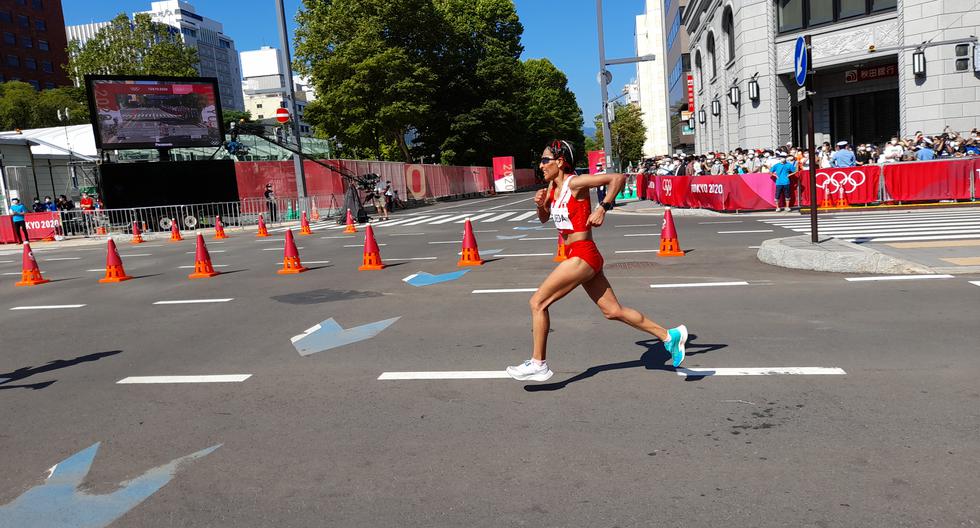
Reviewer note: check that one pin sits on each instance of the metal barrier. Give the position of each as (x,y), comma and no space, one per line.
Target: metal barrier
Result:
(159,219)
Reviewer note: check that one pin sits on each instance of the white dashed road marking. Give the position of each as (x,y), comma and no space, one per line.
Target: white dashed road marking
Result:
(699,284)
(222,378)
(48,307)
(897,277)
(195,301)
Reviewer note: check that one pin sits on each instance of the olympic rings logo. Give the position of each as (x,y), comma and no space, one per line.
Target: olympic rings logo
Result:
(834,182)
(668,186)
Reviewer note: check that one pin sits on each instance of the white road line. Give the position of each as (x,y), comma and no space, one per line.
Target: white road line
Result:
(139,255)
(764,371)
(271,239)
(447,242)
(411,258)
(358,245)
(508,204)
(451,219)
(524,255)
(21,272)
(975,283)
(195,301)
(522,216)
(48,307)
(699,284)
(754,247)
(192,267)
(333,237)
(507,290)
(641,234)
(99,270)
(458,374)
(405,234)
(541,238)
(5,261)
(425,219)
(500,216)
(637,251)
(639,225)
(725,222)
(404,220)
(62,258)
(897,277)
(473,218)
(749,231)
(221,378)
(312,262)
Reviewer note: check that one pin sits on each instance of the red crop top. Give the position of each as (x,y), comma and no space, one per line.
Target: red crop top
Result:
(569,214)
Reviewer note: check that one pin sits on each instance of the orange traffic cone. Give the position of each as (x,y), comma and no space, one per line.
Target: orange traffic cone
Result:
(826,202)
(372,254)
(263,231)
(101,231)
(669,246)
(841,199)
(219,228)
(304,225)
(471,253)
(315,215)
(203,268)
(137,234)
(30,274)
(561,255)
(114,271)
(291,263)
(175,232)
(351,228)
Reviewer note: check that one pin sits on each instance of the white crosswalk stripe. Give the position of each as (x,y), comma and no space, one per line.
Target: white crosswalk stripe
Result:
(522,216)
(428,219)
(892,227)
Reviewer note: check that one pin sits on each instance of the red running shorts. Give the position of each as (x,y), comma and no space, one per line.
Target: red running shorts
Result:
(587,251)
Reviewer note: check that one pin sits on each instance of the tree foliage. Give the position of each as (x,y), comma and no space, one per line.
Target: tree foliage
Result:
(132,47)
(627,133)
(235,116)
(446,73)
(21,106)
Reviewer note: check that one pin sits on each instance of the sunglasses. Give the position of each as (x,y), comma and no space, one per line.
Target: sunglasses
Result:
(545,161)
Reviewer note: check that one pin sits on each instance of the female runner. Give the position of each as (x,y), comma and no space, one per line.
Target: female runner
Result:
(566,202)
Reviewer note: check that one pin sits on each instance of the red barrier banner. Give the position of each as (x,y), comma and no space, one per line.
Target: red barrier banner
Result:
(745,192)
(929,180)
(641,186)
(859,185)
(672,190)
(42,225)
(976,173)
(503,174)
(651,188)
(525,178)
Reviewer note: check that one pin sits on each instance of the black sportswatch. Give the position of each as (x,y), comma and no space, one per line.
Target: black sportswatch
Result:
(606,206)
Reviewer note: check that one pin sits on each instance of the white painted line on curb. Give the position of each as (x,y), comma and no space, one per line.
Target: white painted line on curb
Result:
(507,290)
(749,231)
(458,374)
(48,307)
(699,284)
(637,251)
(195,301)
(225,378)
(765,371)
(897,277)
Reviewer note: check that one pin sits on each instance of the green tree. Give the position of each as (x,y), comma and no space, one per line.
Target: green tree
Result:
(369,61)
(16,105)
(551,109)
(235,116)
(627,133)
(21,106)
(131,47)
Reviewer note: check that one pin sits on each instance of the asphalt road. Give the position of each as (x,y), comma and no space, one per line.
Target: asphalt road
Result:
(615,438)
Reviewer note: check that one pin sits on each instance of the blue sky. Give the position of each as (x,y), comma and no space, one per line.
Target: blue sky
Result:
(563,32)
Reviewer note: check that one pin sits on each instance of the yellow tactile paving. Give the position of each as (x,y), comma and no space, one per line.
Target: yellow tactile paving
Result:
(935,244)
(964,261)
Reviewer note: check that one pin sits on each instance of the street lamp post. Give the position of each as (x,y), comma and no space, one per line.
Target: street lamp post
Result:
(604,79)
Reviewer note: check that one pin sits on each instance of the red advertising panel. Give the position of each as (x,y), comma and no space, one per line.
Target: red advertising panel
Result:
(859,185)
(40,226)
(929,180)
(690,93)
(596,157)
(503,174)
(672,190)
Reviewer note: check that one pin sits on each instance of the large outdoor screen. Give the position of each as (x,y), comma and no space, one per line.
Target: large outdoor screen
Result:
(155,112)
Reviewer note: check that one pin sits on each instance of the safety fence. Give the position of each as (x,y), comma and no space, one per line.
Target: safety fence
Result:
(916,181)
(240,214)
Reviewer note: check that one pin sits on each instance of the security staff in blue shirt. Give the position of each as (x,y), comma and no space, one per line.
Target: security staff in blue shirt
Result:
(781,173)
(843,157)
(18,210)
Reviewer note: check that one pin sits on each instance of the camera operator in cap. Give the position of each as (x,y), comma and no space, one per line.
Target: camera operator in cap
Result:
(843,157)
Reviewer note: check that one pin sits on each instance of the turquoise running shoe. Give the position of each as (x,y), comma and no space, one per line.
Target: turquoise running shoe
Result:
(678,338)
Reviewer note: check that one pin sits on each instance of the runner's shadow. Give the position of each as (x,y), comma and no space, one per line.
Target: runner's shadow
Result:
(655,358)
(26,372)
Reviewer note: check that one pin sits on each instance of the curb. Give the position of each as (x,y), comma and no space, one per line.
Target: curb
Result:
(833,255)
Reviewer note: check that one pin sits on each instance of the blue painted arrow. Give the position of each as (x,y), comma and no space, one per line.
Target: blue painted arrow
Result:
(485,251)
(499,237)
(427,279)
(59,504)
(329,334)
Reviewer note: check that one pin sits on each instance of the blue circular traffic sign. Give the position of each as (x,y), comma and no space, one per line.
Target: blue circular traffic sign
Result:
(800,62)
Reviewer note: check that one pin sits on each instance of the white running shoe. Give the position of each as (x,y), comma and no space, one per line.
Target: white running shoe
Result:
(530,371)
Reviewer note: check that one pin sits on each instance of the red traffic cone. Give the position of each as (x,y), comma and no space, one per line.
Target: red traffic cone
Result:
(471,253)
(304,225)
(561,255)
(669,245)
(137,234)
(290,262)
(30,274)
(372,254)
(219,228)
(175,232)
(114,271)
(351,228)
(841,199)
(203,268)
(263,231)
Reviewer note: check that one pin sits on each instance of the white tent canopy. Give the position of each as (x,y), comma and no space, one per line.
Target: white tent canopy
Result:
(76,141)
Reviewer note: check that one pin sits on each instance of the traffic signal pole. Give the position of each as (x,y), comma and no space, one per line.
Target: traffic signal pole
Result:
(811,147)
(291,100)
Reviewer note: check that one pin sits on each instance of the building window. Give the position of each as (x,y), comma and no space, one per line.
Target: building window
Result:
(23,21)
(261,116)
(676,72)
(40,25)
(222,43)
(700,69)
(30,63)
(258,105)
(27,42)
(13,60)
(9,38)
(728,27)
(46,66)
(5,16)
(793,15)
(712,56)
(42,45)
(675,27)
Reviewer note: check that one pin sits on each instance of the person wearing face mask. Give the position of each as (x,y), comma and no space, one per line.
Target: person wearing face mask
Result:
(717,168)
(893,152)
(780,174)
